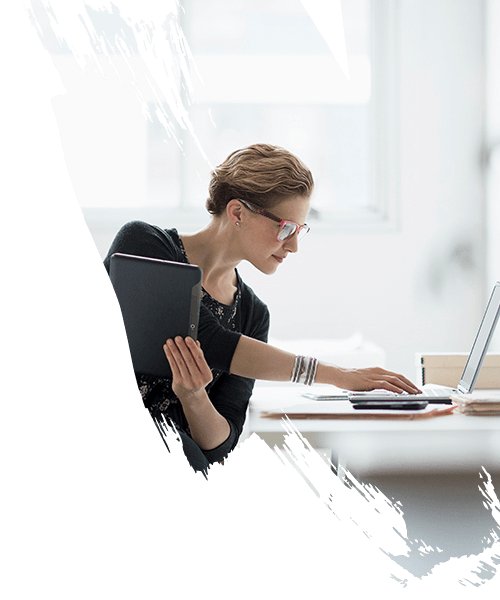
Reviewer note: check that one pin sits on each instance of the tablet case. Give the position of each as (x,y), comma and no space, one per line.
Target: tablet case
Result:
(159,299)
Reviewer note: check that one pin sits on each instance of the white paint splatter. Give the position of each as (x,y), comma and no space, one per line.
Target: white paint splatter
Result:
(382,521)
(142,42)
(379,519)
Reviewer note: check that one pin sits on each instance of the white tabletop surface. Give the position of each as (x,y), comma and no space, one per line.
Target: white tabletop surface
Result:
(278,398)
(451,442)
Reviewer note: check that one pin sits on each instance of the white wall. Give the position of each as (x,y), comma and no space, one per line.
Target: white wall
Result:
(413,289)
(421,287)
(492,153)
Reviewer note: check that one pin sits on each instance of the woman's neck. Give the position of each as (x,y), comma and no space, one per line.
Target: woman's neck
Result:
(212,249)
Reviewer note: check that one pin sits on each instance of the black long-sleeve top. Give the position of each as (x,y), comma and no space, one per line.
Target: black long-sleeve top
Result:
(219,330)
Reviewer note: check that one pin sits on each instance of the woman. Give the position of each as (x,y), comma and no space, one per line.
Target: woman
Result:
(259,199)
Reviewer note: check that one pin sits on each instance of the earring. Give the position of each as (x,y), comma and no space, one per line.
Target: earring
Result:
(237,223)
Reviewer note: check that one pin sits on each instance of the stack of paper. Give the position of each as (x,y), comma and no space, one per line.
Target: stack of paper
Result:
(473,404)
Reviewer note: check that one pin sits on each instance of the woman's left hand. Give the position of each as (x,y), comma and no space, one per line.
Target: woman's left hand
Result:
(373,378)
(190,371)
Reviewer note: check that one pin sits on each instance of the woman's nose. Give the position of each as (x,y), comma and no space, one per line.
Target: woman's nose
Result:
(292,244)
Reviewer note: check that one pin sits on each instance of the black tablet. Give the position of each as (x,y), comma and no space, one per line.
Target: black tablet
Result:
(159,299)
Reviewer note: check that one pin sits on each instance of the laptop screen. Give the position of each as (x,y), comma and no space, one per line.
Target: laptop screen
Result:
(481,342)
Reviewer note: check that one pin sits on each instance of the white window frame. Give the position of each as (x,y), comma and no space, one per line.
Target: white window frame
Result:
(383,214)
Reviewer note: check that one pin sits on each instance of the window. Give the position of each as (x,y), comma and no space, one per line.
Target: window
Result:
(267,75)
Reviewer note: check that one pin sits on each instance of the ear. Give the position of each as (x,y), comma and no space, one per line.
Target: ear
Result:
(234,211)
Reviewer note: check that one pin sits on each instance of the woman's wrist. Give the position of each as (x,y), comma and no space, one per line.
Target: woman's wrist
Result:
(329,374)
(193,399)
(209,429)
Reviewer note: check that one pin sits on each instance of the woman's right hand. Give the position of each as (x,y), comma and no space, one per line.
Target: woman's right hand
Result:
(190,371)
(373,378)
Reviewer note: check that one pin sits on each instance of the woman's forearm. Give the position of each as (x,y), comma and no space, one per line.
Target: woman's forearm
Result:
(190,376)
(207,426)
(257,360)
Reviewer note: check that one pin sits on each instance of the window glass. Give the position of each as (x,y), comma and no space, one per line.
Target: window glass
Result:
(267,75)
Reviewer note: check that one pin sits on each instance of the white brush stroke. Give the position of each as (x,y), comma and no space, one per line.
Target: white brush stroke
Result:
(92,505)
(144,43)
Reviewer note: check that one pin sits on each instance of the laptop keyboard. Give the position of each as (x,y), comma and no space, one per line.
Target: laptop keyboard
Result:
(439,392)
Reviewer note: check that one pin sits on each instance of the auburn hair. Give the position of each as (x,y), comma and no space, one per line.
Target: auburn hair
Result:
(262,174)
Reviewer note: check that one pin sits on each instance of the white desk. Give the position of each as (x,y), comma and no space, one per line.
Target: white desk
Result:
(453,443)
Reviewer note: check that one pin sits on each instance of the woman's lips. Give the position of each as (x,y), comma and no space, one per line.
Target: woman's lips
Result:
(278,258)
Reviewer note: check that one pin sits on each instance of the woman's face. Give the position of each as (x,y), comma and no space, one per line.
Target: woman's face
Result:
(259,233)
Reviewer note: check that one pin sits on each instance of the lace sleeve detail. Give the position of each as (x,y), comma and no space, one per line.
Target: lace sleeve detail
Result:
(156,392)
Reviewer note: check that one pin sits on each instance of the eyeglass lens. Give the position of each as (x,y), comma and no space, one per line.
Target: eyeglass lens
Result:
(286,231)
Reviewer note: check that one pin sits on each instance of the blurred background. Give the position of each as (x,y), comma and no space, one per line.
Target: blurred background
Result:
(405,152)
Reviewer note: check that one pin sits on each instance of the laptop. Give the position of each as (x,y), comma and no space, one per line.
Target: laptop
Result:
(441,394)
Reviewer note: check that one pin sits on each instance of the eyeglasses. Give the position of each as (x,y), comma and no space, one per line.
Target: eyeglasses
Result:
(287,229)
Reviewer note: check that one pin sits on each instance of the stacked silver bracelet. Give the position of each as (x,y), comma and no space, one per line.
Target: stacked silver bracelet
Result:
(304,370)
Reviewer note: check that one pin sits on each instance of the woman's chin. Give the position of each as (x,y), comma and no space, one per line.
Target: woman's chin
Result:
(267,269)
